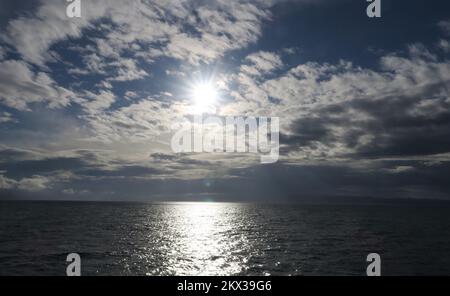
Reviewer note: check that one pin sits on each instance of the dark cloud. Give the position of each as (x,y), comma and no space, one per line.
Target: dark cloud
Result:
(20,169)
(279,182)
(124,171)
(11,154)
(392,126)
(163,156)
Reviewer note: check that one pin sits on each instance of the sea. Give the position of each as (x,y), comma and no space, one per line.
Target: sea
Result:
(206,238)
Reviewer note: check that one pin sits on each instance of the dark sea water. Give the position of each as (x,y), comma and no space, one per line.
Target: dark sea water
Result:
(223,238)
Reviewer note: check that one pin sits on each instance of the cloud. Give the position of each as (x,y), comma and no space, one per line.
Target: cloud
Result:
(34,183)
(343,125)
(6,183)
(2,53)
(127,71)
(6,117)
(444,26)
(122,35)
(220,26)
(332,111)
(140,121)
(10,154)
(20,87)
(261,63)
(44,166)
(99,102)
(33,35)
(444,45)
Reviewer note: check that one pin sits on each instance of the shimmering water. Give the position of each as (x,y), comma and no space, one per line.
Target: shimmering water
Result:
(222,238)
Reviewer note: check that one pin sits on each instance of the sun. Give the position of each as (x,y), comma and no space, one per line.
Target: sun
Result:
(204,97)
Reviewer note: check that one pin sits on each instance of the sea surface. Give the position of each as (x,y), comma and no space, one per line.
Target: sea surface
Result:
(223,238)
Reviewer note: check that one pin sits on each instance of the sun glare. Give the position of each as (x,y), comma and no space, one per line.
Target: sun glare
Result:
(204,96)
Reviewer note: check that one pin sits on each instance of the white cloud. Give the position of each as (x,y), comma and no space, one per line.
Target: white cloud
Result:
(146,30)
(312,84)
(6,117)
(261,63)
(138,122)
(19,87)
(99,102)
(220,25)
(34,183)
(150,28)
(127,71)
(175,73)
(131,95)
(6,183)
(33,35)
(306,88)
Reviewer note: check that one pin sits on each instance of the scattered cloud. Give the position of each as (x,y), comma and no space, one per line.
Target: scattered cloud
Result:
(20,87)
(34,183)
(118,75)
(6,117)
(261,63)
(445,26)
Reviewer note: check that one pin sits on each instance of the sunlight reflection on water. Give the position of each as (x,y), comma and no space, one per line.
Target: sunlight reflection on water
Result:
(221,238)
(204,240)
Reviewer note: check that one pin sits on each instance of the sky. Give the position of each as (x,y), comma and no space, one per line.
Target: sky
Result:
(88,105)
